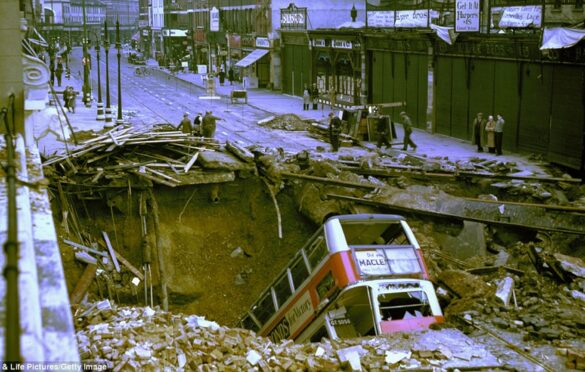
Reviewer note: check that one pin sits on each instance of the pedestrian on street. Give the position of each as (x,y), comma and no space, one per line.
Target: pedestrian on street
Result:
(59,70)
(490,130)
(221,77)
(407,125)
(499,130)
(52,70)
(185,124)
(383,132)
(69,97)
(231,75)
(332,94)
(306,98)
(314,95)
(334,131)
(208,124)
(478,131)
(197,124)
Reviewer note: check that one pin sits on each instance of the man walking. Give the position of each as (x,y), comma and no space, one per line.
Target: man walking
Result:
(197,124)
(499,133)
(208,124)
(478,131)
(334,131)
(407,125)
(185,125)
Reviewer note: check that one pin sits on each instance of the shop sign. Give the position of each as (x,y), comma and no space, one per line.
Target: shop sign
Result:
(381,18)
(234,41)
(144,32)
(341,44)
(262,42)
(466,15)
(174,33)
(248,41)
(214,19)
(412,18)
(293,18)
(318,43)
(521,16)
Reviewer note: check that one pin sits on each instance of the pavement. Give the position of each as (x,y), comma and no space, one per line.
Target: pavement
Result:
(429,145)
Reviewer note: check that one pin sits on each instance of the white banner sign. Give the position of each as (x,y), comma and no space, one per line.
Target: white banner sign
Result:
(466,15)
(262,42)
(521,16)
(214,19)
(372,262)
(382,18)
(412,18)
(341,44)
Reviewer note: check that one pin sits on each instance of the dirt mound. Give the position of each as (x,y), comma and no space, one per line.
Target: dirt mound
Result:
(286,122)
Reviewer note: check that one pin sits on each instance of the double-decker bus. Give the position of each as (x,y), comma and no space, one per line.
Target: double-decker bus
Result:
(358,275)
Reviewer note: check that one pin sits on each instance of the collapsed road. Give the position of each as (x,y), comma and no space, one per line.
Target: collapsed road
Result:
(160,195)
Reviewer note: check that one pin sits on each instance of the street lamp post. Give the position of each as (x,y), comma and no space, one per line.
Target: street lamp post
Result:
(86,61)
(120,120)
(107,50)
(100,104)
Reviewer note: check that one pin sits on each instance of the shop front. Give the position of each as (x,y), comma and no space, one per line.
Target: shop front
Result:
(336,66)
(254,65)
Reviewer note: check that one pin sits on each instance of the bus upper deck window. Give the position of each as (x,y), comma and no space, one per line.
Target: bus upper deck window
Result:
(299,272)
(317,252)
(282,289)
(248,323)
(264,308)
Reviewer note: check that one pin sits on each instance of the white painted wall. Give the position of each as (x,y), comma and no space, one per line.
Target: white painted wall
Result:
(158,21)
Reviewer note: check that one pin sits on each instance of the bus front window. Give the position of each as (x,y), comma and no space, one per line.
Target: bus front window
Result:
(404,305)
(353,316)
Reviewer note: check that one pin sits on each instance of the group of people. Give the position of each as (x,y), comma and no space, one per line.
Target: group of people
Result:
(310,96)
(488,133)
(69,97)
(203,125)
(335,126)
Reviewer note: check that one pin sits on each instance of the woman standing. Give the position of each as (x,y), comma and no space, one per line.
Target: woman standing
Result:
(306,98)
(490,130)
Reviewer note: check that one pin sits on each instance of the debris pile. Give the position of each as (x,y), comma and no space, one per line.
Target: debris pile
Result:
(169,158)
(135,338)
(289,122)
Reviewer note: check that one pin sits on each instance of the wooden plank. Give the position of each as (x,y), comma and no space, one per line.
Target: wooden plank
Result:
(77,245)
(130,267)
(83,284)
(191,162)
(152,178)
(111,250)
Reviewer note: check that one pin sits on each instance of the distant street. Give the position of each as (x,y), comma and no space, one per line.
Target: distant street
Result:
(159,98)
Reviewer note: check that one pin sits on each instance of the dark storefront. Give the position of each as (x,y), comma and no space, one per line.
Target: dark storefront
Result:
(541,98)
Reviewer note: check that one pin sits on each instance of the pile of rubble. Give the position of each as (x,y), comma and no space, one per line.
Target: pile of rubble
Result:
(133,338)
(289,122)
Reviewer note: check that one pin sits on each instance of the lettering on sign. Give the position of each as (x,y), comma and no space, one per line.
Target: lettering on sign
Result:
(341,44)
(372,262)
(214,19)
(262,42)
(467,16)
(319,43)
(520,16)
(381,18)
(340,321)
(412,18)
(293,18)
(293,319)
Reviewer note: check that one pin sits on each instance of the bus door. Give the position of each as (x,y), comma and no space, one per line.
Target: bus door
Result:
(352,314)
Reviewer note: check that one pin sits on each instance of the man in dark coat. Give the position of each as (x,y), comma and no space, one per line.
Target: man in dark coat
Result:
(59,70)
(231,75)
(383,131)
(185,125)
(208,125)
(478,131)
(197,124)
(407,125)
(314,96)
(334,131)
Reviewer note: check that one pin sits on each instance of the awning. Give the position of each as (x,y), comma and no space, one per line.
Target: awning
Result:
(559,37)
(252,57)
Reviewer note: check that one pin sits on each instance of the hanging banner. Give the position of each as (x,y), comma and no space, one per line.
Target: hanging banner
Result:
(214,19)
(467,16)
(381,18)
(412,18)
(521,16)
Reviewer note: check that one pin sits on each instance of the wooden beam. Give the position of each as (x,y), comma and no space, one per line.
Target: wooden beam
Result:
(77,245)
(191,162)
(111,250)
(330,181)
(128,265)
(83,284)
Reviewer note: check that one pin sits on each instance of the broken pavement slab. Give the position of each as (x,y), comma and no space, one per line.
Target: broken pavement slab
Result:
(223,161)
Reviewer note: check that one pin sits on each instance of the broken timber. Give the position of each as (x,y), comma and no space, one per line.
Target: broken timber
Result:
(83,284)
(111,250)
(330,181)
(452,216)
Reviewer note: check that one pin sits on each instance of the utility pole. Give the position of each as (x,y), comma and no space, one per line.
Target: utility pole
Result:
(120,120)
(107,50)
(86,61)
(100,104)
